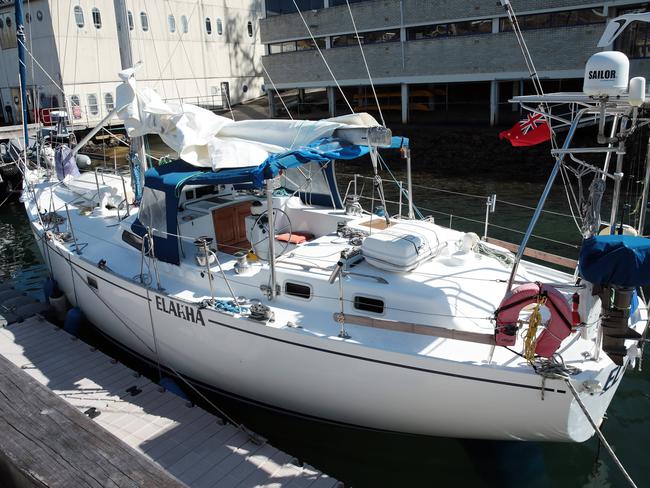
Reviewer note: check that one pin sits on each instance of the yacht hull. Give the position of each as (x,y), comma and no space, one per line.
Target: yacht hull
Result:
(326,379)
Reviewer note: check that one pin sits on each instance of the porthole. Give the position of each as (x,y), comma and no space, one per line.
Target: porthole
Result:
(79,16)
(208,26)
(368,304)
(129,18)
(39,15)
(171,22)
(244,88)
(249,28)
(185,25)
(297,290)
(219,27)
(144,21)
(97,18)
(8,22)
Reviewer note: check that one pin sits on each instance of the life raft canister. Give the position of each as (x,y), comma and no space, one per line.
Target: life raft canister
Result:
(558,328)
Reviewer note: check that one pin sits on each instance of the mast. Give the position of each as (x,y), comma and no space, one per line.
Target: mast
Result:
(126,58)
(22,71)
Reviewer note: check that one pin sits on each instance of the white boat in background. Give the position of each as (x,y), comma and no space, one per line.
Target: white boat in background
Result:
(242,270)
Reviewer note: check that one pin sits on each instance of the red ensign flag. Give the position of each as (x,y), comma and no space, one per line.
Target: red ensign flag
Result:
(534,130)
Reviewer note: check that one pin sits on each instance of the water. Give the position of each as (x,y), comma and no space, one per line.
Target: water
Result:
(370,459)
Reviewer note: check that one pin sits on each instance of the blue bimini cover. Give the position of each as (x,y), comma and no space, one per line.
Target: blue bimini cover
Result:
(616,260)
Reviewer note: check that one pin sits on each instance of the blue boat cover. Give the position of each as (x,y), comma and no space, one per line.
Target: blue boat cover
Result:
(616,260)
(170,179)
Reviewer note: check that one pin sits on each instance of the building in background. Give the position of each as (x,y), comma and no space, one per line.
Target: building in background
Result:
(434,61)
(201,51)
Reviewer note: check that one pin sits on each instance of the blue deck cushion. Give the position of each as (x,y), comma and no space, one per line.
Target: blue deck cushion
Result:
(616,260)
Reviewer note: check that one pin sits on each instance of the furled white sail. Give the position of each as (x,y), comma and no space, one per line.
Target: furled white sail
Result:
(205,139)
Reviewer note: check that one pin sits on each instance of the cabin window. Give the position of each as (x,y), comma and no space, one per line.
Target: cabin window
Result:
(109,103)
(208,25)
(93,105)
(79,16)
(249,28)
(152,210)
(368,304)
(219,27)
(297,290)
(185,26)
(144,21)
(97,18)
(129,18)
(171,22)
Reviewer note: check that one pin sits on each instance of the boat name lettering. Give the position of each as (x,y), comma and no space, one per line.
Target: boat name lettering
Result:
(614,375)
(602,74)
(180,310)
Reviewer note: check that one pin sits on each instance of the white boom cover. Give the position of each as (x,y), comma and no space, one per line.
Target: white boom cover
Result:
(205,139)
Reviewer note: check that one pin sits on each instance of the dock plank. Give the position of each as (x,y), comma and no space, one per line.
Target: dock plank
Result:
(170,442)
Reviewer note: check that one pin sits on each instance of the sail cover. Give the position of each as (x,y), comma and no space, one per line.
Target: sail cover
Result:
(616,260)
(207,140)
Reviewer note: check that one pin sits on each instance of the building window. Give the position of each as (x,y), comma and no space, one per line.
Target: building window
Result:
(299,45)
(568,18)
(97,18)
(109,103)
(635,40)
(185,26)
(279,7)
(2,24)
(219,27)
(249,28)
(93,105)
(129,18)
(171,22)
(8,22)
(28,17)
(39,15)
(208,26)
(453,29)
(144,21)
(75,106)
(79,16)
(374,37)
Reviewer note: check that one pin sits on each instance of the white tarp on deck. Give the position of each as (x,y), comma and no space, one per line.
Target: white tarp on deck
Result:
(205,139)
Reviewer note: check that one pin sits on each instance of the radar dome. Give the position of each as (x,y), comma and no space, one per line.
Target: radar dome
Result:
(606,74)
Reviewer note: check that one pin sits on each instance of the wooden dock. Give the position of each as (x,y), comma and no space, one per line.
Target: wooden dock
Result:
(72,416)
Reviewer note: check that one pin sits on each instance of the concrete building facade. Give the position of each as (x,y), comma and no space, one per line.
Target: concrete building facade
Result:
(202,51)
(443,60)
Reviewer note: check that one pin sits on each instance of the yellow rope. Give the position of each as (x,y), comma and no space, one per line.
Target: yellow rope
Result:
(530,341)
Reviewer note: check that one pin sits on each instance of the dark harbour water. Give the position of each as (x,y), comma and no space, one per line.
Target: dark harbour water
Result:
(371,459)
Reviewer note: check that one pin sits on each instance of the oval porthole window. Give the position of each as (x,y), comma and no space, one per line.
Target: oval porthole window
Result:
(97,18)
(171,22)
(249,28)
(208,25)
(185,26)
(79,16)
(219,27)
(244,88)
(144,21)
(39,15)
(129,18)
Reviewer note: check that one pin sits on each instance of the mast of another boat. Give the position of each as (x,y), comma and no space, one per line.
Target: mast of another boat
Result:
(22,71)
(126,58)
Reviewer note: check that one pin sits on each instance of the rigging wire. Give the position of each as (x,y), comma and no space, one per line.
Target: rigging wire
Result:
(365,62)
(323,57)
(276,90)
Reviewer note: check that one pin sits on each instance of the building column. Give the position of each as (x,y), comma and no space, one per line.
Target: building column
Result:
(326,3)
(405,103)
(271,96)
(331,100)
(494,102)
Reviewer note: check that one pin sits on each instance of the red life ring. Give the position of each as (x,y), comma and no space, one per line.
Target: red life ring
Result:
(558,328)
